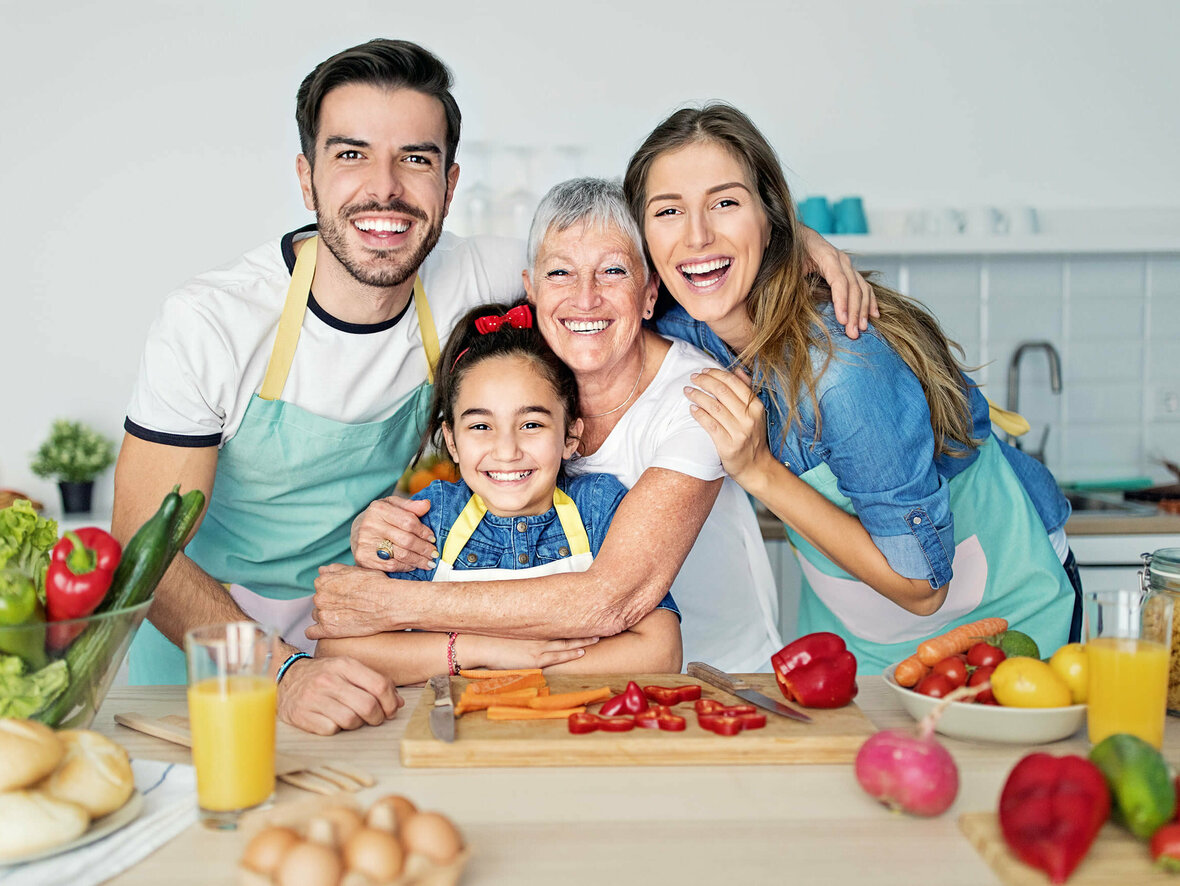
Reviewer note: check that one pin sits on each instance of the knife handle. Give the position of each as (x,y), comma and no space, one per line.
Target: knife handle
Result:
(714,677)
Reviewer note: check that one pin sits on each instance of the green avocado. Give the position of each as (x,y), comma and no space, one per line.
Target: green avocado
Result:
(1141,791)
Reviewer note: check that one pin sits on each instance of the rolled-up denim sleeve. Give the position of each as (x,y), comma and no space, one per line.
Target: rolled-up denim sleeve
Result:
(875,436)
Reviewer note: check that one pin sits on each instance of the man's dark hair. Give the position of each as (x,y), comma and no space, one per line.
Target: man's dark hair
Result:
(389,64)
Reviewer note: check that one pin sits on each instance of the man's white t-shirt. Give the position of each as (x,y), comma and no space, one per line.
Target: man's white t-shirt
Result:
(206,354)
(725,590)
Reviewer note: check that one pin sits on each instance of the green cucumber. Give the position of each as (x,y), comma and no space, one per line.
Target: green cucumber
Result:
(1141,791)
(192,503)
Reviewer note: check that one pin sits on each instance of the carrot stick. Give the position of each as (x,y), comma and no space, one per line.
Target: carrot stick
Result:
(932,651)
(910,672)
(485,674)
(472,702)
(570,699)
(506,713)
(503,684)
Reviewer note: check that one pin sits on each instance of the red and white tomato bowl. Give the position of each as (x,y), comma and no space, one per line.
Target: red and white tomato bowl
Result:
(979,722)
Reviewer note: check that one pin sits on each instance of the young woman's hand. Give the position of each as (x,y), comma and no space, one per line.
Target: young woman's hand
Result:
(726,407)
(395,524)
(851,294)
(500,653)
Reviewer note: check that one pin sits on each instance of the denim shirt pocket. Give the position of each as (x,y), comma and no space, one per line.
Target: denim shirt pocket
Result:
(478,554)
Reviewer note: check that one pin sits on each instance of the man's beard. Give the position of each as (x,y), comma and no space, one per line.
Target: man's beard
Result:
(394,269)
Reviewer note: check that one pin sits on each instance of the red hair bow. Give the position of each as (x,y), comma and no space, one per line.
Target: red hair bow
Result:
(519,317)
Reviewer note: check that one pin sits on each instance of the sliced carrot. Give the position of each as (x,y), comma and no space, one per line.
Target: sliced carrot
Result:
(505,684)
(910,671)
(485,674)
(960,639)
(570,699)
(470,701)
(506,713)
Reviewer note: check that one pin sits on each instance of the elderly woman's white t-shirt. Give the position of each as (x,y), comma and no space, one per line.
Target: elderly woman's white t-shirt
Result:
(725,590)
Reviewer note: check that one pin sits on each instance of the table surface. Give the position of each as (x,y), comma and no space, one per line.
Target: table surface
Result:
(682,824)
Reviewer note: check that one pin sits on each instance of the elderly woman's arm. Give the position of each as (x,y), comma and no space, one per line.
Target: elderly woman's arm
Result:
(652,532)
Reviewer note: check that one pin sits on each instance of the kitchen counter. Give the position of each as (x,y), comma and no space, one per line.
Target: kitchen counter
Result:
(643,825)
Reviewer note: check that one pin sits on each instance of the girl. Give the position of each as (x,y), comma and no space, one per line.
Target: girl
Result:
(505,407)
(888,428)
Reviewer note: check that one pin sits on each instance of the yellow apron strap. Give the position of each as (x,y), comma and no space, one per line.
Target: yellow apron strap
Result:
(463,529)
(571,522)
(426,327)
(1008,422)
(290,323)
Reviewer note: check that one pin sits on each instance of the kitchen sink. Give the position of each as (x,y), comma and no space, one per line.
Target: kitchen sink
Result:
(1109,505)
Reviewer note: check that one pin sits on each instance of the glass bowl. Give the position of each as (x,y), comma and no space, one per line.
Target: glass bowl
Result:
(59,673)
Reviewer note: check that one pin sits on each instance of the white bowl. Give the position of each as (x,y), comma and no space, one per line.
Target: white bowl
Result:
(985,722)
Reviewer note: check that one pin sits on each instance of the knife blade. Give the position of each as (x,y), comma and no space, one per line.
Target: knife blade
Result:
(735,686)
(442,715)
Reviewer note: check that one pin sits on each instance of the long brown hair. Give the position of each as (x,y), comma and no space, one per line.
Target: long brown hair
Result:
(785,300)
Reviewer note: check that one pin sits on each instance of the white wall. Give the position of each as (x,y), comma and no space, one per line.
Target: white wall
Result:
(145,141)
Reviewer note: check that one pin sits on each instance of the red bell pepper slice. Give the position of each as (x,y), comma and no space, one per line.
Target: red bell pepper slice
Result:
(731,720)
(630,701)
(720,724)
(661,717)
(584,723)
(1051,810)
(816,671)
(616,724)
(707,706)
(672,695)
(81,567)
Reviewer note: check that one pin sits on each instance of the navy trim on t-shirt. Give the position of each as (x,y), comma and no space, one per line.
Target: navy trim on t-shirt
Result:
(288,248)
(185,440)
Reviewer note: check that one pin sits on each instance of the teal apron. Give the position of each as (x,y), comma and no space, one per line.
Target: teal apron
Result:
(287,488)
(1004,566)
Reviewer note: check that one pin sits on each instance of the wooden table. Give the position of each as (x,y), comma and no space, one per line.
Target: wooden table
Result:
(651,825)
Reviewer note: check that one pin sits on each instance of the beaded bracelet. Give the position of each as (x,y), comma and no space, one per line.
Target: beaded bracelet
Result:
(452,662)
(291,659)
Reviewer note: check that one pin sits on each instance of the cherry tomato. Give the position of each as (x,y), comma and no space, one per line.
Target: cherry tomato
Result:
(935,685)
(954,668)
(981,675)
(985,655)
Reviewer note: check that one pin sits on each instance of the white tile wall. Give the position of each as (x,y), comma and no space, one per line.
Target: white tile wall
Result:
(1115,319)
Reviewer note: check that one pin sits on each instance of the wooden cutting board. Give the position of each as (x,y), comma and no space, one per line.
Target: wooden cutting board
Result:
(833,736)
(1115,859)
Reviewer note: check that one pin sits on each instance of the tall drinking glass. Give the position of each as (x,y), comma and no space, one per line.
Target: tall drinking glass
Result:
(231,707)
(1128,637)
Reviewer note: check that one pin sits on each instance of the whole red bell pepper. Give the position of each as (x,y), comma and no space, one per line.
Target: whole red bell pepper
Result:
(81,567)
(816,671)
(630,701)
(1051,810)
(1165,847)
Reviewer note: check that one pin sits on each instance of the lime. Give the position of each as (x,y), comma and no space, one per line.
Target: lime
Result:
(1018,643)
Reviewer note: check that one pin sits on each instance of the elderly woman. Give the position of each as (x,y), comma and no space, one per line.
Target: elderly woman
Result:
(591,291)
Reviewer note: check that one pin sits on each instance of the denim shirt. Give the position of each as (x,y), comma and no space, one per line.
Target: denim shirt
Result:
(876,439)
(499,542)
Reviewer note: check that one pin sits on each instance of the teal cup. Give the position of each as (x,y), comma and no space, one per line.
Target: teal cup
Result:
(816,213)
(849,216)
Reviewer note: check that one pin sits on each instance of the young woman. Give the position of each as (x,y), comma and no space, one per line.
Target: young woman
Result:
(506,407)
(907,514)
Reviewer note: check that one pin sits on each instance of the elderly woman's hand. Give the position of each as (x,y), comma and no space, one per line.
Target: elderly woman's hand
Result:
(393,524)
(852,296)
(726,407)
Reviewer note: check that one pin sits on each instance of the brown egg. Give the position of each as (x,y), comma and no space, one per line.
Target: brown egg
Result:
(334,825)
(388,813)
(267,848)
(432,835)
(310,864)
(376,854)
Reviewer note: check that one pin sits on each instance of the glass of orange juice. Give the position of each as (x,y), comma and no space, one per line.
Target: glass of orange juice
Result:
(1128,636)
(231,709)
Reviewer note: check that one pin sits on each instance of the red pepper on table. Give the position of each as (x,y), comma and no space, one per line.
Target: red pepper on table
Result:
(581,724)
(81,567)
(630,701)
(672,695)
(816,671)
(661,717)
(730,720)
(1165,847)
(1051,810)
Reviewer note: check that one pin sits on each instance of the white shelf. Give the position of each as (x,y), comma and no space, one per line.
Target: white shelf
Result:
(1000,244)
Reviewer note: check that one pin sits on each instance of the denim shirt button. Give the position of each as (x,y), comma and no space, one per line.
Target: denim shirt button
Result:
(563,551)
(471,558)
(521,526)
(522,558)
(917,521)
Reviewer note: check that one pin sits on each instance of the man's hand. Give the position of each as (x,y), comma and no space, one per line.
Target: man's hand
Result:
(325,695)
(852,296)
(394,520)
(350,601)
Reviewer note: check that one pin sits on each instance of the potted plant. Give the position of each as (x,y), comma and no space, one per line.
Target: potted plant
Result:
(75,454)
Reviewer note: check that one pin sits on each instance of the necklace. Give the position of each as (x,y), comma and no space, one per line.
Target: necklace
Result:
(634,387)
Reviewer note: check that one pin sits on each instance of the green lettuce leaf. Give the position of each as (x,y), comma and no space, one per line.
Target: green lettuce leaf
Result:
(25,542)
(24,695)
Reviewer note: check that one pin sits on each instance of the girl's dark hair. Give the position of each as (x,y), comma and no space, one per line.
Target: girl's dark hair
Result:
(467,347)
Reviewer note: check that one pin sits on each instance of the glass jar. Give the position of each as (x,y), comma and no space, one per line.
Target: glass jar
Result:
(1161,575)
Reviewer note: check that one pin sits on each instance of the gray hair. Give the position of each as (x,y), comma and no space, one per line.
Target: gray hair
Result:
(595,201)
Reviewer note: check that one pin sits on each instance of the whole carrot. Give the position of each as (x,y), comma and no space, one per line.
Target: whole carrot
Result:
(960,639)
(910,671)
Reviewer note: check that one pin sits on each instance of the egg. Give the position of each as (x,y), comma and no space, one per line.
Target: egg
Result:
(432,835)
(267,848)
(334,825)
(376,854)
(389,812)
(310,864)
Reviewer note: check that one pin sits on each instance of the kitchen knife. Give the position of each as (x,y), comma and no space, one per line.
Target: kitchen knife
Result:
(442,715)
(735,686)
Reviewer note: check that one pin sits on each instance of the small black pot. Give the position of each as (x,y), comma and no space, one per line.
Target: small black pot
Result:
(75,497)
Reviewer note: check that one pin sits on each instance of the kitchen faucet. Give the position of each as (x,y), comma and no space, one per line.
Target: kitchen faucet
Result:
(1014,386)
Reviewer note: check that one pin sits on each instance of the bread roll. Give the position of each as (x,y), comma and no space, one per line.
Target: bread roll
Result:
(33,821)
(30,751)
(95,773)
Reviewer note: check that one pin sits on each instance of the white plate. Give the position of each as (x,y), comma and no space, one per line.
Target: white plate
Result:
(985,722)
(98,829)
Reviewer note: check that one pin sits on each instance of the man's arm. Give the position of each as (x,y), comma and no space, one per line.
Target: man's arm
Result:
(652,532)
(318,696)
